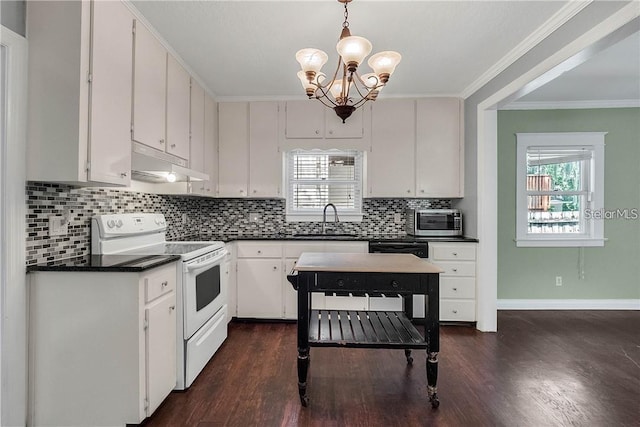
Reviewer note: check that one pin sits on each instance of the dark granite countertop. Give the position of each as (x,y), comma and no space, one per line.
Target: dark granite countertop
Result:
(340,237)
(106,263)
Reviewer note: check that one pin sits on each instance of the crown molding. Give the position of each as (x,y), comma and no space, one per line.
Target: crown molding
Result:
(573,105)
(552,24)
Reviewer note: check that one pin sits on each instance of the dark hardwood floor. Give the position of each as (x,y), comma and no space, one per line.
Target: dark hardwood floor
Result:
(543,368)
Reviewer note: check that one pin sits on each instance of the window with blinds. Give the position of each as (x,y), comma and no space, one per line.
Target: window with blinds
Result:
(560,180)
(318,177)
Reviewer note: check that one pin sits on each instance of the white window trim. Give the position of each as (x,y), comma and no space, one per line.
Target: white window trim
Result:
(594,229)
(317,216)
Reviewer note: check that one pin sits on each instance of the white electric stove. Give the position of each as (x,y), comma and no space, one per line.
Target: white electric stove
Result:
(201,282)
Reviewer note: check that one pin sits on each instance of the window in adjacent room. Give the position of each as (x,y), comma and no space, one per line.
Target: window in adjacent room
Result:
(318,177)
(560,188)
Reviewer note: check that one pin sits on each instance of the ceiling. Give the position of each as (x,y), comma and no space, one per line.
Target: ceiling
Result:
(246,49)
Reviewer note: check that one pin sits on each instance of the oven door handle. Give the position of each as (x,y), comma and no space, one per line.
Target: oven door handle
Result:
(200,265)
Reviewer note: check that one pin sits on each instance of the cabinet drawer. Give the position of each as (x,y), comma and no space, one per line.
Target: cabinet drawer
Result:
(458,310)
(457,268)
(452,252)
(346,247)
(159,282)
(294,249)
(457,287)
(259,250)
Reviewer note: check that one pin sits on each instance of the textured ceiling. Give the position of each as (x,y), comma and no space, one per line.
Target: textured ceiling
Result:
(246,49)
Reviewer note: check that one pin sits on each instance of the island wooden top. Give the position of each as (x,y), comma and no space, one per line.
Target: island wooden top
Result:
(363,263)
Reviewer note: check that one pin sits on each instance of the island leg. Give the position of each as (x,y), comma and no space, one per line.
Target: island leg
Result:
(432,330)
(303,336)
(407,304)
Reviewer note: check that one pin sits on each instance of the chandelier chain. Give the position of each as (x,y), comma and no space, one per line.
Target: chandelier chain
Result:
(345,24)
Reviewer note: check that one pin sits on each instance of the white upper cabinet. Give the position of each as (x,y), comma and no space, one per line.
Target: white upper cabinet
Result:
(178,82)
(208,188)
(304,119)
(265,160)
(149,89)
(79,118)
(391,160)
(233,150)
(311,120)
(439,142)
(197,128)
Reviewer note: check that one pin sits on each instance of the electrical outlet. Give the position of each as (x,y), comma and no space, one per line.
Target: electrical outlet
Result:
(558,280)
(397,218)
(255,216)
(58,225)
(184,218)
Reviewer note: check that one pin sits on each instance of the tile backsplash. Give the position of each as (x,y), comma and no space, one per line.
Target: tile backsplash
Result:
(187,217)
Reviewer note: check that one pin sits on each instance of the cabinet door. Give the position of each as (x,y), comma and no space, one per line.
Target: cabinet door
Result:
(233,150)
(196,159)
(304,119)
(110,107)
(149,89)
(265,160)
(160,350)
(177,109)
(391,161)
(353,127)
(208,188)
(259,288)
(438,147)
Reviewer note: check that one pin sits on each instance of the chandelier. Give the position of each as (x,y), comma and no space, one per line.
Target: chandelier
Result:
(347,90)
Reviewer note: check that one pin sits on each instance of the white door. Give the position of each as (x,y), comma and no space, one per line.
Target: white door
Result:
(438,147)
(160,350)
(196,159)
(208,188)
(265,161)
(353,127)
(233,150)
(149,89)
(260,288)
(391,167)
(110,99)
(178,81)
(305,119)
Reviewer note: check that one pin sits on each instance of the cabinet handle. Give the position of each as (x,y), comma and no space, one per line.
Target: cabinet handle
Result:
(259,252)
(455,254)
(165,283)
(317,132)
(171,308)
(173,145)
(455,311)
(422,191)
(408,191)
(123,175)
(455,289)
(162,141)
(454,270)
(330,132)
(255,191)
(275,268)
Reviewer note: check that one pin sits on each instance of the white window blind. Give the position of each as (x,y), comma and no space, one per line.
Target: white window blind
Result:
(318,177)
(560,178)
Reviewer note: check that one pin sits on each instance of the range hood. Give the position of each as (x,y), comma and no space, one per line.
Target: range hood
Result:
(150,165)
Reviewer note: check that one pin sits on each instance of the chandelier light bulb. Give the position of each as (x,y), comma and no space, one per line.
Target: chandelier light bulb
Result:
(353,50)
(384,63)
(311,60)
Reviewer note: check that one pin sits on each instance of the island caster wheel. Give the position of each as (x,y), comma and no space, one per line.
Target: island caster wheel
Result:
(434,402)
(407,354)
(304,400)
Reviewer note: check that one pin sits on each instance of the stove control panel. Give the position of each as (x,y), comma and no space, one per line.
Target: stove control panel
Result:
(117,225)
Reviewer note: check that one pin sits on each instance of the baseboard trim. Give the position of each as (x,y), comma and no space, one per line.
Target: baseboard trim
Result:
(568,304)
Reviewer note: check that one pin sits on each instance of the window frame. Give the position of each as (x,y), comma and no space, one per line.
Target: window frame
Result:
(593,229)
(315,215)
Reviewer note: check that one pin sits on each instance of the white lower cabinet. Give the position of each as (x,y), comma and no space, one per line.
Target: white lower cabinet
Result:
(102,346)
(262,289)
(457,282)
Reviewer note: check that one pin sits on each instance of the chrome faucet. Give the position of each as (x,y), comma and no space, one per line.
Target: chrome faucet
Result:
(324,216)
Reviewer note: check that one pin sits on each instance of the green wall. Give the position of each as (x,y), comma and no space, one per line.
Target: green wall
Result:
(610,272)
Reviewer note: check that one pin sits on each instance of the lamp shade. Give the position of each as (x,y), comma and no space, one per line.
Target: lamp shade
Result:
(336,89)
(384,62)
(311,59)
(306,84)
(353,49)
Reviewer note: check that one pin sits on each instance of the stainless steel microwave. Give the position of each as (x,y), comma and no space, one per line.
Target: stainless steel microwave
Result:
(434,222)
